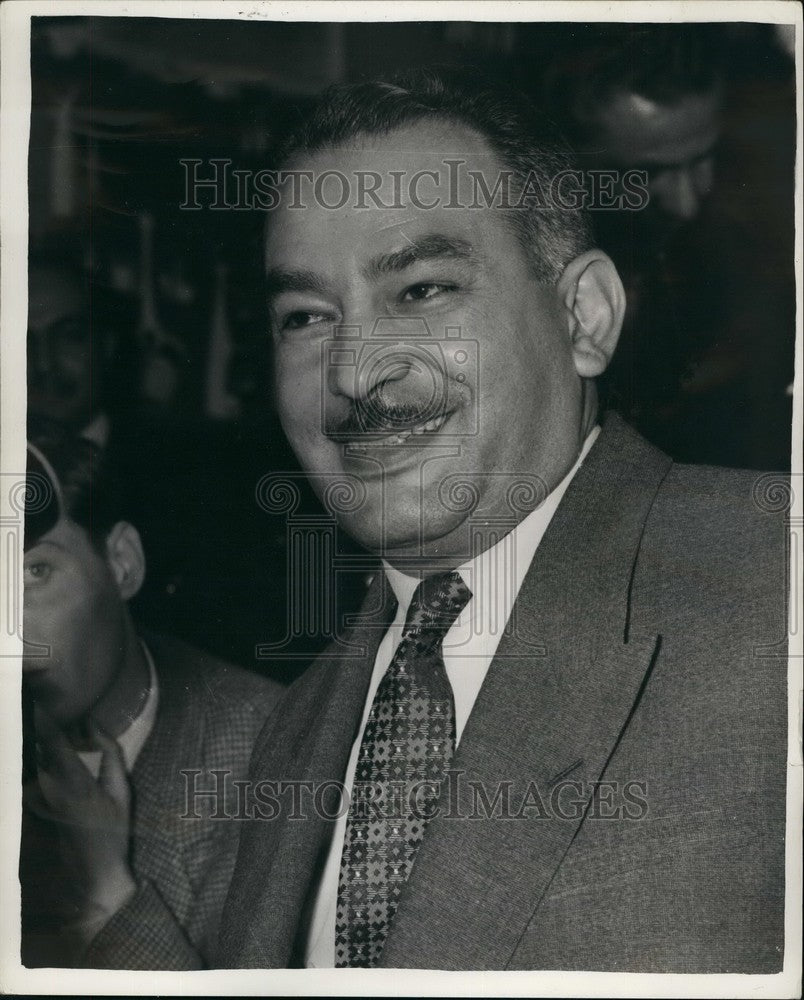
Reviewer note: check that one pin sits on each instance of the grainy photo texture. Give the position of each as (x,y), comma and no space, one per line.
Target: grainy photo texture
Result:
(407,525)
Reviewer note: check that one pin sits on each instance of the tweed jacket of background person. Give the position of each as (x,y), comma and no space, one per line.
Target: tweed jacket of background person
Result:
(209,716)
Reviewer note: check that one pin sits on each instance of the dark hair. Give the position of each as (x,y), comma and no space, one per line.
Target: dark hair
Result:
(663,62)
(524,139)
(72,481)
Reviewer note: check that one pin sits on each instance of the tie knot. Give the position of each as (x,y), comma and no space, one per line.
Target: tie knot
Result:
(436,603)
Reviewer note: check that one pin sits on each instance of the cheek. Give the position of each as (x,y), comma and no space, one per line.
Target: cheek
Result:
(52,618)
(91,643)
(297,388)
(519,362)
(703,176)
(67,613)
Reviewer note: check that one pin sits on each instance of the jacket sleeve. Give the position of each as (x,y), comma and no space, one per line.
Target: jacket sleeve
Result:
(143,934)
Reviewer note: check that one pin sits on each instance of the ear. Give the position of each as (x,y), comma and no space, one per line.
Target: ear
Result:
(593,295)
(125,558)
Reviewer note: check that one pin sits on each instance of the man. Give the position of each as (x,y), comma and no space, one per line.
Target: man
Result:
(122,864)
(706,352)
(68,373)
(649,98)
(550,741)
(645,97)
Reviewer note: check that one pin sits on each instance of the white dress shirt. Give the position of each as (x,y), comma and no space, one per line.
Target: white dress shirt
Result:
(494,577)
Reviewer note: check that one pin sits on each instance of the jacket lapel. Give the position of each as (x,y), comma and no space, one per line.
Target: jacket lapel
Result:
(176,739)
(310,743)
(557,697)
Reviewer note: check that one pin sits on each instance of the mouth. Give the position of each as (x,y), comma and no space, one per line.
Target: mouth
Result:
(396,437)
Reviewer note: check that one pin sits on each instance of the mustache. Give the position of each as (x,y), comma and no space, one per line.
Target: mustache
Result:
(375,414)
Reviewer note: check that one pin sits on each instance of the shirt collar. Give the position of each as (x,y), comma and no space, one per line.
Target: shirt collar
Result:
(132,739)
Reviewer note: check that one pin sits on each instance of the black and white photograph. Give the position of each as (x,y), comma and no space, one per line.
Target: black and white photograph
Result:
(401,498)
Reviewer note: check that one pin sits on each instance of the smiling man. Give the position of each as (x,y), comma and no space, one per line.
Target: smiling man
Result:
(553,744)
(421,273)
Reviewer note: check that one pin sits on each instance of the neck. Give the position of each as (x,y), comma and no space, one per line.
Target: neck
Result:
(589,412)
(124,701)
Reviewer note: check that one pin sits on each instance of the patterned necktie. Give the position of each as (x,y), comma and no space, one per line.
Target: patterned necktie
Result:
(407,745)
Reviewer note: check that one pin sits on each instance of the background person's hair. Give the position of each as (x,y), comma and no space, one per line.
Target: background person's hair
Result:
(84,489)
(662,62)
(524,140)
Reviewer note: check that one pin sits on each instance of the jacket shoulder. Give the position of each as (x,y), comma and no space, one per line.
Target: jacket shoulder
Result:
(226,697)
(737,510)
(714,551)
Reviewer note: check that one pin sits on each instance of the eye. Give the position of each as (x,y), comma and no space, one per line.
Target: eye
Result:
(35,574)
(425,290)
(300,319)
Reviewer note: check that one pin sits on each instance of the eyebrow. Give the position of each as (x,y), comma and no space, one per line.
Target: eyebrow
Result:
(44,541)
(427,248)
(278,280)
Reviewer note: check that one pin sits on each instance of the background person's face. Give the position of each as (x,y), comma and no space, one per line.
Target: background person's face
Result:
(62,379)
(71,604)
(674,143)
(504,397)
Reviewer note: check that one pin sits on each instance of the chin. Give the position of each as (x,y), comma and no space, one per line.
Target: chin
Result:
(65,714)
(367,528)
(406,532)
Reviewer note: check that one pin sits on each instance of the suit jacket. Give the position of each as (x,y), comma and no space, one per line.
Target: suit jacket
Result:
(647,655)
(208,717)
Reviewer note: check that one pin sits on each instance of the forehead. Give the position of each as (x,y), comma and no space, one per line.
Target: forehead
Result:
(69,540)
(408,169)
(636,129)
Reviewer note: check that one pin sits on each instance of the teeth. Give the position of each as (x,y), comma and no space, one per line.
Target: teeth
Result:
(427,428)
(434,425)
(400,437)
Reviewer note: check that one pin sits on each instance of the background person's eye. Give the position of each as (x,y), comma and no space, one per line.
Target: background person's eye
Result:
(425,290)
(35,574)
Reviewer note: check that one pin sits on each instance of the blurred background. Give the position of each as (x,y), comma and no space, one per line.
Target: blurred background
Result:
(146,326)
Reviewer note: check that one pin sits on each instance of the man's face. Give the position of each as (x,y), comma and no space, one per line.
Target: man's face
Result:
(73,606)
(62,378)
(673,143)
(456,367)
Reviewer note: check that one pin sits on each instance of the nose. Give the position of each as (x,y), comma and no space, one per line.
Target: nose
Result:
(357,364)
(680,198)
(355,371)
(681,191)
